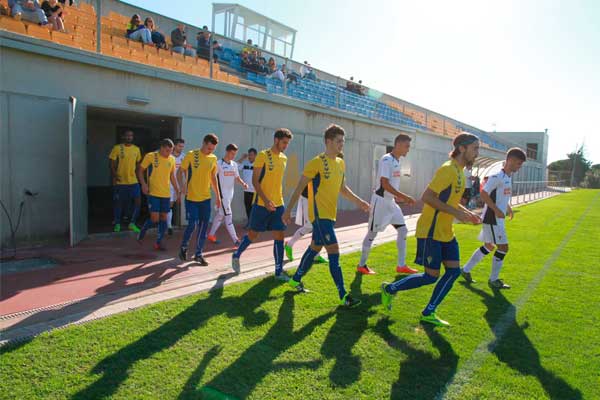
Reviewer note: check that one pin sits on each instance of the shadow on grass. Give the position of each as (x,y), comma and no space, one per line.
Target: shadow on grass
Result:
(345,333)
(241,377)
(115,368)
(515,349)
(422,375)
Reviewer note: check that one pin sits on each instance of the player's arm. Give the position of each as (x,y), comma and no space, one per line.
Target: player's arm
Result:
(490,185)
(241,182)
(431,198)
(387,186)
(242,158)
(259,190)
(141,175)
(113,170)
(173,179)
(294,199)
(350,195)
(215,188)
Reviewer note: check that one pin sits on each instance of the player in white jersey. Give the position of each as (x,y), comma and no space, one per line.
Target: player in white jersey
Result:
(384,209)
(496,194)
(227,175)
(179,154)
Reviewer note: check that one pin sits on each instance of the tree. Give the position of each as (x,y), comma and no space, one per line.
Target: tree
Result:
(592,178)
(573,169)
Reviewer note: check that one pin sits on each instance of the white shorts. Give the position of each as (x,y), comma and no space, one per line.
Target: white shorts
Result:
(225,208)
(384,212)
(302,212)
(495,234)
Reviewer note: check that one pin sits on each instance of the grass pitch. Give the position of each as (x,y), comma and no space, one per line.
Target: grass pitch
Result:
(258,340)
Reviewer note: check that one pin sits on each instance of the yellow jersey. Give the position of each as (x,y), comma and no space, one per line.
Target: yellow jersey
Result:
(200,167)
(271,177)
(126,156)
(159,171)
(326,177)
(449,183)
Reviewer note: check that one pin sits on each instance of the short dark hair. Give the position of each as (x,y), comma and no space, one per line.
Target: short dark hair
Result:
(402,137)
(516,152)
(166,143)
(283,133)
(252,150)
(464,139)
(211,138)
(332,131)
(178,140)
(231,146)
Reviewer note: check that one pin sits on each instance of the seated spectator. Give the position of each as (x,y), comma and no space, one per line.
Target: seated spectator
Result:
(360,89)
(180,44)
(271,66)
(204,43)
(137,31)
(157,37)
(292,75)
(248,48)
(262,66)
(306,72)
(350,84)
(217,49)
(28,10)
(283,75)
(246,64)
(53,11)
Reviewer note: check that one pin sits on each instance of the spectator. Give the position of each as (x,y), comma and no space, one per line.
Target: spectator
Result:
(292,75)
(157,37)
(204,43)
(53,11)
(64,2)
(28,10)
(360,89)
(137,31)
(179,40)
(350,84)
(262,67)
(271,66)
(248,48)
(217,49)
(306,72)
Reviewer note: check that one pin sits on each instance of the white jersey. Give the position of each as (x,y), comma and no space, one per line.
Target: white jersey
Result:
(499,187)
(227,172)
(178,161)
(246,169)
(389,167)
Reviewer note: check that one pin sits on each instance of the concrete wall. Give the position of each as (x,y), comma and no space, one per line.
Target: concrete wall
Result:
(34,137)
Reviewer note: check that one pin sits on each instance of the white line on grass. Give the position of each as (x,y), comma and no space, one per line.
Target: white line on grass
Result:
(454,388)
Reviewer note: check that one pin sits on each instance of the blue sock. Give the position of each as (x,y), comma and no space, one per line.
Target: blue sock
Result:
(147,225)
(135,214)
(201,238)
(336,273)
(278,255)
(243,246)
(187,234)
(117,210)
(410,282)
(441,289)
(305,263)
(162,228)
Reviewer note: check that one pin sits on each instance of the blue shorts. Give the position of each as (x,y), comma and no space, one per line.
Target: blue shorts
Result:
(431,253)
(323,233)
(197,210)
(262,220)
(159,204)
(124,192)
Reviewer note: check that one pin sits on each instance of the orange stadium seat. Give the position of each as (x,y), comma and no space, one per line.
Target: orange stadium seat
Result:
(40,32)
(63,38)
(9,24)
(132,44)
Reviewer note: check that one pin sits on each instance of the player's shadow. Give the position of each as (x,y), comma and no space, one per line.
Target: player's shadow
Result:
(190,386)
(241,377)
(422,374)
(115,368)
(513,347)
(345,333)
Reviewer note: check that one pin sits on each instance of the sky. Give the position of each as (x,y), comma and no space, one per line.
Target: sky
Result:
(505,65)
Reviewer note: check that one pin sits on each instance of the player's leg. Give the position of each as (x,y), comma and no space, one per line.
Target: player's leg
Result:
(306,263)
(248,197)
(366,250)
(475,259)
(300,232)
(117,208)
(229,222)
(278,228)
(451,261)
(497,261)
(258,220)
(162,223)
(203,220)
(401,235)
(170,218)
(217,221)
(429,255)
(192,216)
(153,209)
(137,203)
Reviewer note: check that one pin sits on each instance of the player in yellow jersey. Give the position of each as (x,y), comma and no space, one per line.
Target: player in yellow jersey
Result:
(124,160)
(160,168)
(325,177)
(436,244)
(267,178)
(197,174)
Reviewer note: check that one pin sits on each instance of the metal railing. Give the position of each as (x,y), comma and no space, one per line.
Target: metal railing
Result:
(527,191)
